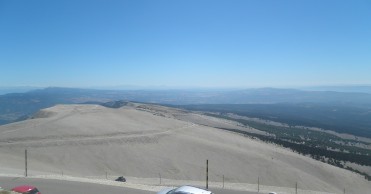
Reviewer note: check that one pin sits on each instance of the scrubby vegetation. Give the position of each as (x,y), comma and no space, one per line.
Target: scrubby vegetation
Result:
(336,117)
(318,145)
(332,157)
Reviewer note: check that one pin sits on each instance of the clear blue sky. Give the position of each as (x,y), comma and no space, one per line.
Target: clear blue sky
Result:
(185,43)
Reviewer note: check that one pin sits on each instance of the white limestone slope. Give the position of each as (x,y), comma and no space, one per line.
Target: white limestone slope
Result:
(144,140)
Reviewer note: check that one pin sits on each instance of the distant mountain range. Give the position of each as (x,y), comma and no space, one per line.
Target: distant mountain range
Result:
(17,89)
(18,106)
(351,88)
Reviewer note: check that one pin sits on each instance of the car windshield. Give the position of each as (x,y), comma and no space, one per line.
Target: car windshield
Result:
(179,192)
(33,191)
(171,192)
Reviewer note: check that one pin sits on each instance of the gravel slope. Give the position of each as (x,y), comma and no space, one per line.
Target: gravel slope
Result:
(144,140)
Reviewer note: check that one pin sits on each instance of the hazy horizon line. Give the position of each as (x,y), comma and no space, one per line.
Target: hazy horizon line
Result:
(161,87)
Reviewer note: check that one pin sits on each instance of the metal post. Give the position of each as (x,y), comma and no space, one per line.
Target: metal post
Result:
(207,174)
(223,181)
(258,184)
(296,187)
(106,175)
(25,159)
(344,190)
(160,177)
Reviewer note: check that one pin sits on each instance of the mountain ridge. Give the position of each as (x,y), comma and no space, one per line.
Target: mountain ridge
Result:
(141,140)
(19,106)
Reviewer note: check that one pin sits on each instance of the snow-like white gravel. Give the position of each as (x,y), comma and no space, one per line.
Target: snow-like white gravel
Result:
(83,142)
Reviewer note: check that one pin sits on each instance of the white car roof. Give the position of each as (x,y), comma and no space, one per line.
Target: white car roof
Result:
(192,190)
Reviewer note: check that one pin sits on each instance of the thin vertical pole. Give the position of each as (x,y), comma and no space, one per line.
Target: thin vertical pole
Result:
(296,187)
(106,175)
(25,160)
(207,174)
(160,177)
(223,181)
(344,190)
(258,184)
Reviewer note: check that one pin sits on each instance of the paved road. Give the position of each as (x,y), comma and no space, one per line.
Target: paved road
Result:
(67,187)
(71,187)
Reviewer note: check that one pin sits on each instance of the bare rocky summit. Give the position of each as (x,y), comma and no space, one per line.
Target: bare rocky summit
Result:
(142,140)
